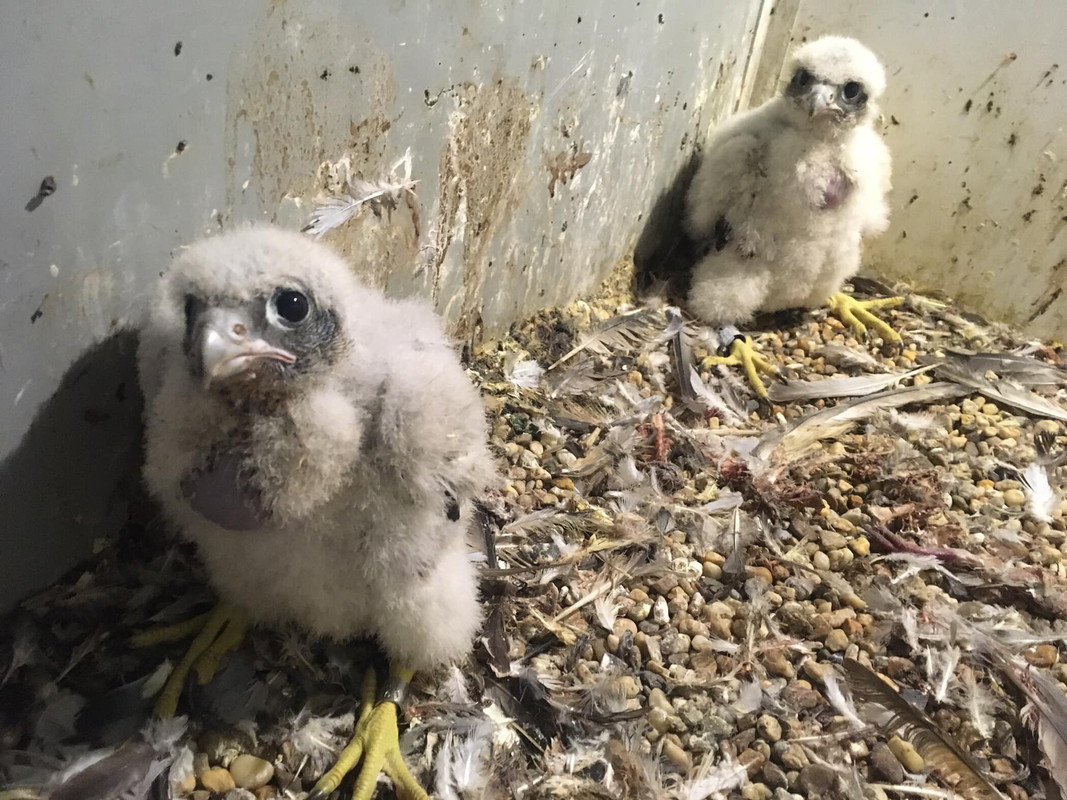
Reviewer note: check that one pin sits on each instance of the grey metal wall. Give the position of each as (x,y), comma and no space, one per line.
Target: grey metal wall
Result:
(540,134)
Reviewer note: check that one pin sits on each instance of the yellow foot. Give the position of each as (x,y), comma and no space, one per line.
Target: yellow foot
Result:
(217,633)
(857,314)
(742,353)
(377,741)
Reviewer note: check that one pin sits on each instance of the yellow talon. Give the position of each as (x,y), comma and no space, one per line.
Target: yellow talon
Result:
(857,314)
(376,740)
(743,354)
(220,631)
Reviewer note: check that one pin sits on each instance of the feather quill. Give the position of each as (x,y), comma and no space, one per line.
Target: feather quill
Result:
(633,330)
(790,442)
(1004,391)
(336,211)
(954,765)
(858,386)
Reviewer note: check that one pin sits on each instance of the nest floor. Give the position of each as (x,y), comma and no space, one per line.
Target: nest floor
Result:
(855,589)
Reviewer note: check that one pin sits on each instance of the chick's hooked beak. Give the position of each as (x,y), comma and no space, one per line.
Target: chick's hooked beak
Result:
(821,101)
(228,347)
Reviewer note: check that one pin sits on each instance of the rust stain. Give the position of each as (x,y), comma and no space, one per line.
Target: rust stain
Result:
(477,174)
(564,166)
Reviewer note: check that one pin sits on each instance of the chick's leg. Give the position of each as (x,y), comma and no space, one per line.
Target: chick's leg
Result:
(743,353)
(857,314)
(217,633)
(376,741)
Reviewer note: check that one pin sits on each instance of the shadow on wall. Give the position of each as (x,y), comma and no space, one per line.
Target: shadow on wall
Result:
(663,256)
(70,479)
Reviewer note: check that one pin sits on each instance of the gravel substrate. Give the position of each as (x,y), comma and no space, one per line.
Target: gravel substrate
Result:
(688,593)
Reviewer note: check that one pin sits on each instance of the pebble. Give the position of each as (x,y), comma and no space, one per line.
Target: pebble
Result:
(817,780)
(1014,498)
(1042,655)
(677,756)
(659,719)
(820,561)
(769,728)
(793,757)
(836,641)
(250,772)
(817,671)
(907,755)
(885,765)
(774,776)
(660,614)
(778,665)
(218,780)
(757,791)
(861,546)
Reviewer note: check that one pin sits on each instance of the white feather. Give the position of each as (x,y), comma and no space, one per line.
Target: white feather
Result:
(841,704)
(336,211)
(460,768)
(712,780)
(526,374)
(750,698)
(1041,498)
(948,671)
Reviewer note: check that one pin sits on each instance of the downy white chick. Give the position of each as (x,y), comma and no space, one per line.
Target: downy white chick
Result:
(321,445)
(785,192)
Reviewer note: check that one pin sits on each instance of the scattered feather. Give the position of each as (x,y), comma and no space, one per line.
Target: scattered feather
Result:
(842,705)
(1041,500)
(849,358)
(336,211)
(858,386)
(460,762)
(712,780)
(732,411)
(801,435)
(526,374)
(633,330)
(941,753)
(750,698)
(1005,392)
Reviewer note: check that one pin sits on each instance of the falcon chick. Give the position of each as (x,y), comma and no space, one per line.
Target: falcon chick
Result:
(321,445)
(784,194)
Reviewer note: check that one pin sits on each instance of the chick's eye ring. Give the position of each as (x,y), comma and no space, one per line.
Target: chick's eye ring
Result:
(802,78)
(852,90)
(291,306)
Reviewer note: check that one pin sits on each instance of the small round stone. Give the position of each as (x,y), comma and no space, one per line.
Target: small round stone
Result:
(769,728)
(1014,498)
(907,755)
(250,772)
(218,780)
(1042,655)
(885,765)
(836,641)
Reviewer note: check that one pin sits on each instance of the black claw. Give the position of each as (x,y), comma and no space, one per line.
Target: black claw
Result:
(316,794)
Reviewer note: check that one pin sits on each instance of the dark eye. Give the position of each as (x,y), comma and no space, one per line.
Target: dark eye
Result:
(291,305)
(802,78)
(852,90)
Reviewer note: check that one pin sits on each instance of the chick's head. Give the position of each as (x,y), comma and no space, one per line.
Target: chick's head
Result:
(834,84)
(258,308)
